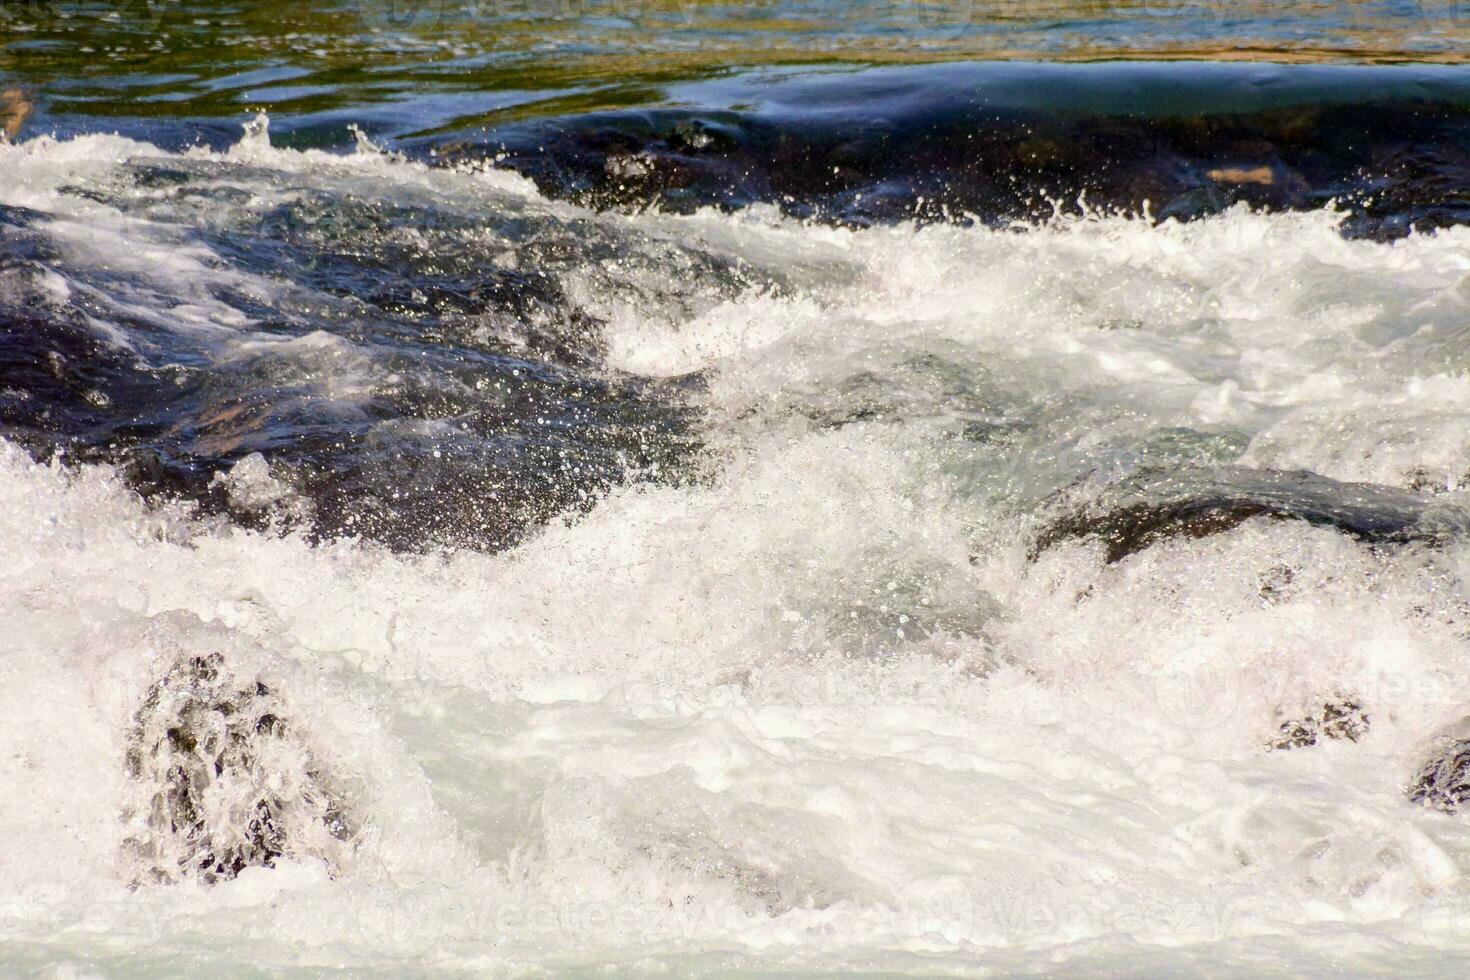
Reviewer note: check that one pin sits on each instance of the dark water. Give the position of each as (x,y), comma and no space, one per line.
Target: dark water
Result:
(491,409)
(1016,142)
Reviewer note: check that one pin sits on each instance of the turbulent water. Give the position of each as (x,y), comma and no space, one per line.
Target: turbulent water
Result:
(919,520)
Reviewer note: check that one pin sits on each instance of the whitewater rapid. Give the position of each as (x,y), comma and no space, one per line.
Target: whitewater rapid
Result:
(817,702)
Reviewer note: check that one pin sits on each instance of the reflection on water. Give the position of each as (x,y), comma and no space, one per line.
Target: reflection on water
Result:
(502,58)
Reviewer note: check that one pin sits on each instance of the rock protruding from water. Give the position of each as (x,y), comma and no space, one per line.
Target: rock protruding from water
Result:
(1158,505)
(1345,719)
(225,781)
(1443,783)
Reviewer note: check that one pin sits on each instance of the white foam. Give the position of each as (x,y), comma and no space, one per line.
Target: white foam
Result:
(820,710)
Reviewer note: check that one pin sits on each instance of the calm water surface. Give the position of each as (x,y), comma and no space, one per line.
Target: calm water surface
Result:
(425,65)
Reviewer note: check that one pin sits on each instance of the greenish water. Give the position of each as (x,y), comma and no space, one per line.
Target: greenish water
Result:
(427,65)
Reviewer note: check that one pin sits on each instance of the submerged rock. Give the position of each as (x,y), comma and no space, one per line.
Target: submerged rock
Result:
(920,144)
(1242,175)
(1343,719)
(14,108)
(1157,505)
(223,780)
(482,408)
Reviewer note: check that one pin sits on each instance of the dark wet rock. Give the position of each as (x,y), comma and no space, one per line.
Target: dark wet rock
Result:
(224,779)
(1158,505)
(944,150)
(1443,783)
(476,405)
(1342,719)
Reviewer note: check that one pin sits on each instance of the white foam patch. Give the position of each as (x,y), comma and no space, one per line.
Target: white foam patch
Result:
(820,709)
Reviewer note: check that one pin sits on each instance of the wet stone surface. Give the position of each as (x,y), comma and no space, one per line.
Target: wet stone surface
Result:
(1158,505)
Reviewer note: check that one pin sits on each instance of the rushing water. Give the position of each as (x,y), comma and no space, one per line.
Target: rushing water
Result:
(679,487)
